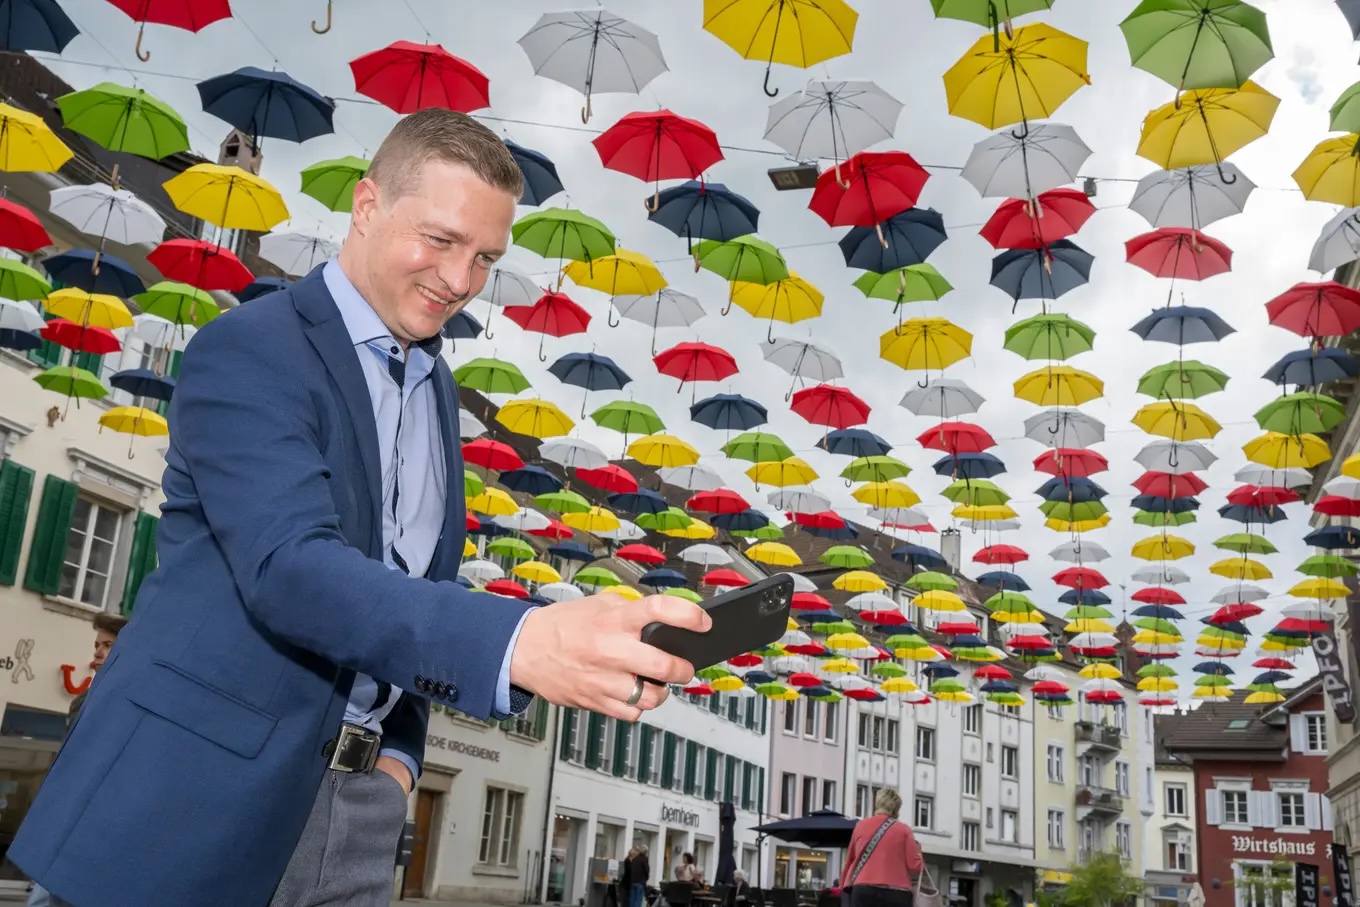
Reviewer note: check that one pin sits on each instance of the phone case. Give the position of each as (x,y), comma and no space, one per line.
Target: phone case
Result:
(745,618)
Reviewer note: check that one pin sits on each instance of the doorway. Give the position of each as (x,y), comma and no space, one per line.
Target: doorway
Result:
(424,847)
(562,859)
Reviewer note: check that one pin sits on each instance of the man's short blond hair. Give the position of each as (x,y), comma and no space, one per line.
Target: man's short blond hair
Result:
(437,134)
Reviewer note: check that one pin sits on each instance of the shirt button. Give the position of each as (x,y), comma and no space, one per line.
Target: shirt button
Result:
(395,351)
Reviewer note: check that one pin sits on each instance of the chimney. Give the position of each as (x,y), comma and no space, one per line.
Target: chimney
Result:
(951,548)
(237,150)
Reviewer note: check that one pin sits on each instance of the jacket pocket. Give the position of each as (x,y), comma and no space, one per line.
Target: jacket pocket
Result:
(184,700)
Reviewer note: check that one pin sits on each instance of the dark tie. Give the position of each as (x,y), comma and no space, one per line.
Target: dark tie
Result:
(397,369)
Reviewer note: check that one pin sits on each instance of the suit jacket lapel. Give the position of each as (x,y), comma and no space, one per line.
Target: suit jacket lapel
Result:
(448,553)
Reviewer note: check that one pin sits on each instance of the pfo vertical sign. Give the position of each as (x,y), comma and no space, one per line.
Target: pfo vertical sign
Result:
(1333,671)
(1306,884)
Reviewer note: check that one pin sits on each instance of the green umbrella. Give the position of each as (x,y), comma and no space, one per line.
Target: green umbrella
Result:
(846,557)
(628,417)
(1246,543)
(1185,380)
(688,595)
(767,533)
(947,685)
(1301,413)
(747,258)
(668,520)
(987,13)
(19,281)
(72,381)
(1346,111)
(932,581)
(560,233)
(905,641)
(491,376)
(772,689)
(1009,601)
(563,502)
(1155,670)
(914,283)
(599,577)
(832,627)
(178,303)
(1049,336)
(888,669)
(472,484)
(975,493)
(1157,625)
(1329,566)
(1194,44)
(1163,519)
(1073,513)
(757,447)
(877,468)
(332,182)
(1087,612)
(125,119)
(712,672)
(507,546)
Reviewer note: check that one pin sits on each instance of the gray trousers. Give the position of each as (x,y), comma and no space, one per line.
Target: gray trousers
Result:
(346,856)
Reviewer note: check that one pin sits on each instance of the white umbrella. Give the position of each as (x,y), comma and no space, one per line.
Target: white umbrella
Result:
(1046,156)
(1079,552)
(691,478)
(1307,611)
(573,453)
(1065,428)
(296,254)
(481,571)
(1175,457)
(1011,631)
(560,592)
(802,359)
(1344,486)
(871,601)
(160,333)
(1292,477)
(1191,196)
(993,525)
(832,120)
(593,51)
(1233,593)
(20,316)
(793,500)
(1338,243)
(706,555)
(1048,672)
(469,426)
(113,214)
(507,287)
(899,516)
(1160,575)
(523,521)
(628,531)
(666,308)
(947,398)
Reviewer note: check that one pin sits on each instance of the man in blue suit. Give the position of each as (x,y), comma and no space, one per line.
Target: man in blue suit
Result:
(255,735)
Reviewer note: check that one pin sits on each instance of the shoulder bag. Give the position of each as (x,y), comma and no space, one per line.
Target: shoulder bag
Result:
(849,881)
(927,893)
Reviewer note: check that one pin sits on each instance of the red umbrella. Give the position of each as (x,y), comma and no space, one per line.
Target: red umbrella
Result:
(745,660)
(804,679)
(507,587)
(956,438)
(884,618)
(809,601)
(642,554)
(695,362)
(697,689)
(1262,496)
(1158,595)
(862,693)
(610,477)
(1019,223)
(408,77)
(729,579)
(721,500)
(813,649)
(655,145)
(1327,505)
(1032,643)
(877,185)
(20,228)
(99,341)
(958,628)
(554,315)
(1274,664)
(556,530)
(1326,309)
(1071,462)
(1049,686)
(1179,252)
(1103,696)
(826,519)
(201,265)
(1081,578)
(1170,485)
(471,521)
(831,406)
(190,15)
(1229,614)
(1001,554)
(992,672)
(490,454)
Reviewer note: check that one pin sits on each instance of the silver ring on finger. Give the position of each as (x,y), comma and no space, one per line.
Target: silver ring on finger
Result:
(638,686)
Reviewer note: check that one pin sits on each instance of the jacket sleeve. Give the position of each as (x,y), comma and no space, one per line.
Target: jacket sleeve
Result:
(851,854)
(245,425)
(915,862)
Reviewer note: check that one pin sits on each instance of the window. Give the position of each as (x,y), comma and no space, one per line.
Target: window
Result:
(832,712)
(1174,796)
(1235,807)
(1055,712)
(1261,885)
(864,730)
(863,801)
(970,836)
(1055,763)
(925,743)
(1291,809)
(1315,732)
(1121,778)
(1177,854)
(972,719)
(876,736)
(972,780)
(500,827)
(791,717)
(923,812)
(1123,839)
(829,795)
(788,789)
(809,719)
(610,746)
(90,546)
(809,795)
(1056,828)
(892,735)
(1010,762)
(1010,825)
(1012,711)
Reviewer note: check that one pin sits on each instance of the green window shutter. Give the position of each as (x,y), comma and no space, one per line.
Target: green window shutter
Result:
(567,751)
(715,704)
(733,709)
(142,559)
(751,719)
(691,765)
(16,489)
(760,790)
(541,709)
(644,772)
(748,777)
(730,780)
(764,709)
(49,354)
(163,407)
(46,555)
(594,739)
(711,775)
(622,733)
(91,362)
(507,724)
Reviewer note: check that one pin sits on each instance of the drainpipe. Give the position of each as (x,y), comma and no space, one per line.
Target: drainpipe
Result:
(553,751)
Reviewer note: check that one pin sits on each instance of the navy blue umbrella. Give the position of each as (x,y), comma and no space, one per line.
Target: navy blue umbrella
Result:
(1005,580)
(969,466)
(142,382)
(644,500)
(262,286)
(745,521)
(1084,597)
(756,677)
(819,690)
(1334,538)
(541,181)
(21,341)
(1232,626)
(663,578)
(729,412)
(1312,367)
(463,581)
(1243,513)
(819,829)
(1216,668)
(462,327)
(1042,273)
(35,25)
(536,600)
(936,671)
(854,442)
(910,236)
(589,371)
(698,210)
(920,557)
(76,269)
(1161,612)
(571,551)
(1072,489)
(1182,324)
(842,533)
(534,480)
(1154,504)
(489,529)
(272,104)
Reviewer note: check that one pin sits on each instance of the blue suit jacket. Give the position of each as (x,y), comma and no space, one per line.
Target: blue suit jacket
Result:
(191,770)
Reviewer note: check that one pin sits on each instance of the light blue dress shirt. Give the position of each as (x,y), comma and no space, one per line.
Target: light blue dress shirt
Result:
(409,446)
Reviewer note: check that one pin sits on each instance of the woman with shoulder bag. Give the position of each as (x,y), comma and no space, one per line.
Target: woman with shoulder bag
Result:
(882,858)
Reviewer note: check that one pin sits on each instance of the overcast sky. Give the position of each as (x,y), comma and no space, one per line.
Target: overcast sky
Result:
(902,47)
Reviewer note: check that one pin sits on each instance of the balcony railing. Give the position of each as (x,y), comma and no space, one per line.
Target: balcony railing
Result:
(1102,736)
(1099,799)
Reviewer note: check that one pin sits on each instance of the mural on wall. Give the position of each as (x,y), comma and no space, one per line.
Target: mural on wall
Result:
(18,664)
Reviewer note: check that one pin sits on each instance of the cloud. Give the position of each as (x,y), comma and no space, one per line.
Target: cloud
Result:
(1305,75)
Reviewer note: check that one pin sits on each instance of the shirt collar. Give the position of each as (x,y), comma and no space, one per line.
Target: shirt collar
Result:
(362,323)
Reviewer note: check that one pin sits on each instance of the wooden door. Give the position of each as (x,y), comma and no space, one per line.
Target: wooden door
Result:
(416,873)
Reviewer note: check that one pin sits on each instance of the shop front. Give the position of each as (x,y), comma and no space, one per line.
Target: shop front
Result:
(804,869)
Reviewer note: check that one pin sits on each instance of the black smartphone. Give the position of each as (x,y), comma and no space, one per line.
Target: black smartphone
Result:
(745,618)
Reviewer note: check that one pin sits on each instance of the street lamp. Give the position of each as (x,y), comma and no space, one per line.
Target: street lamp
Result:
(799,176)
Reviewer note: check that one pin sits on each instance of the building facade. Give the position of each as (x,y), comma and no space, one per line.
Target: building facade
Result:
(808,772)
(660,783)
(1170,844)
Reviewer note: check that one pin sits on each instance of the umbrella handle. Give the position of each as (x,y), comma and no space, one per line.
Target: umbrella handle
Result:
(329,8)
(768,93)
(654,202)
(1023,133)
(1225,176)
(585,111)
(610,321)
(141,54)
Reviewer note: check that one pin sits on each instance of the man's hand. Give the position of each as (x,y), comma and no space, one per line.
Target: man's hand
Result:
(397,769)
(588,653)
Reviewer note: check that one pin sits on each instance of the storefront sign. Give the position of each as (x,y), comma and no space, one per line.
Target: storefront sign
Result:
(467,749)
(1333,671)
(1344,895)
(18,664)
(1274,846)
(1305,885)
(672,815)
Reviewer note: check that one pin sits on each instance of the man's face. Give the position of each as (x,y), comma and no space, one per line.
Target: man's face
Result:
(426,253)
(103,641)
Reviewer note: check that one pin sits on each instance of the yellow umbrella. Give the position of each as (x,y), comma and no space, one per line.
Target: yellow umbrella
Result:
(799,33)
(1319,588)
(782,473)
(958,696)
(1006,79)
(94,310)
(1156,638)
(1059,385)
(1279,451)
(1018,617)
(1100,671)
(135,420)
(1162,548)
(27,143)
(886,495)
(1331,172)
(1157,685)
(1207,125)
(696,530)
(1241,569)
(789,301)
(1350,467)
(939,600)
(1263,698)
(859,581)
(625,273)
(227,197)
(925,344)
(729,684)
(627,592)
(663,451)
(1088,625)
(1078,526)
(775,554)
(1177,420)
(899,685)
(536,572)
(493,502)
(535,418)
(984,513)
(596,519)
(843,642)
(843,665)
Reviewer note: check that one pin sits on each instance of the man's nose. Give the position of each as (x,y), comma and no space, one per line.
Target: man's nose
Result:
(456,274)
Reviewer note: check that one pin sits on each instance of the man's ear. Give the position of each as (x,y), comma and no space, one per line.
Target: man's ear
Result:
(366,201)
